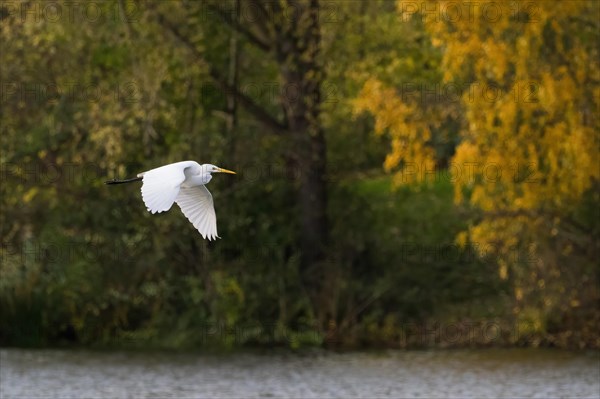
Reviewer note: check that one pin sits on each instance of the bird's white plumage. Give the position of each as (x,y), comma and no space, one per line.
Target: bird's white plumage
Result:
(161,186)
(184,183)
(196,203)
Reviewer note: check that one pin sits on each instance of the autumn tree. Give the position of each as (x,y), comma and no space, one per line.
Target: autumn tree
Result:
(529,82)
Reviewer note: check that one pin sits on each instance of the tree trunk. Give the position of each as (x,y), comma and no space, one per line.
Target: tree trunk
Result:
(297,51)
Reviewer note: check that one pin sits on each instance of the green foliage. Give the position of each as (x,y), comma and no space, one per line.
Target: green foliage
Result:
(400,262)
(85,264)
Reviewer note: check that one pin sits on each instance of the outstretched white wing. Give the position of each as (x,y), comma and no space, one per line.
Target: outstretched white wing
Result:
(161,185)
(196,203)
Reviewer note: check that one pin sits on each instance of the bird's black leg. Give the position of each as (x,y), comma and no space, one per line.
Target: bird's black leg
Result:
(115,181)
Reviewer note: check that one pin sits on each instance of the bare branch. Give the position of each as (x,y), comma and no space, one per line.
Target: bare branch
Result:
(235,24)
(250,105)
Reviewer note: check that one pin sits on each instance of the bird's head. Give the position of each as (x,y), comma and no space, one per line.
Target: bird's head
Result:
(209,168)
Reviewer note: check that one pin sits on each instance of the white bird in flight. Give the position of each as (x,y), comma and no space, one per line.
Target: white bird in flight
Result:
(185,183)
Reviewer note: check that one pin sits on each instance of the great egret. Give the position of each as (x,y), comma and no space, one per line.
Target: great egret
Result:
(185,183)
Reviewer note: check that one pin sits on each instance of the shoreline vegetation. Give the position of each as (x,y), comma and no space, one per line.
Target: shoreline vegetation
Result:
(465,321)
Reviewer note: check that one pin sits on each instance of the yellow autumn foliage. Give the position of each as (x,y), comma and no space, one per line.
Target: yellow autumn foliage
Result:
(530,111)
(533,115)
(530,136)
(406,125)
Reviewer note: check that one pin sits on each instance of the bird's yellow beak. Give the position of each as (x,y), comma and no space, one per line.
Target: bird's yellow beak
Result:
(227,171)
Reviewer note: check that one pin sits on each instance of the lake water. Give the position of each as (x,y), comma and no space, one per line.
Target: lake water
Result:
(67,374)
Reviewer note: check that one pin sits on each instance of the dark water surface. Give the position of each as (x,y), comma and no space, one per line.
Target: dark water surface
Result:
(67,374)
